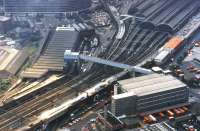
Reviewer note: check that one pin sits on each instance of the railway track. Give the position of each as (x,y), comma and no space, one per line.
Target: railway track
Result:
(126,43)
(116,48)
(156,43)
(55,96)
(136,45)
(38,104)
(23,115)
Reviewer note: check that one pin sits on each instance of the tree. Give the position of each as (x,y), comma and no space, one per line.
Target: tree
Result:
(4,84)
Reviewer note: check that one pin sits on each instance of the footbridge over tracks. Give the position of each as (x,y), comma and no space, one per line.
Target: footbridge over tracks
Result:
(76,56)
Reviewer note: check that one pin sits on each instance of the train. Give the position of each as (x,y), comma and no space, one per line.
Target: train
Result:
(172,46)
(168,50)
(57,111)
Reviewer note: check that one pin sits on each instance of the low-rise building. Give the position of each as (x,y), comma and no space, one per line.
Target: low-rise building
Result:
(191,70)
(156,127)
(5,24)
(110,121)
(11,60)
(191,67)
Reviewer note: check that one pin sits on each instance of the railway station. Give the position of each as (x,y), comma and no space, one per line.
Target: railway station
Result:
(95,65)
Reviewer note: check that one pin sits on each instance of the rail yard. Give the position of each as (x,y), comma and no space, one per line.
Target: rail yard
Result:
(95,65)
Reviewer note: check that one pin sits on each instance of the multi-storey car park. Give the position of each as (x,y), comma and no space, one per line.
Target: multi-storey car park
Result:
(148,93)
(150,26)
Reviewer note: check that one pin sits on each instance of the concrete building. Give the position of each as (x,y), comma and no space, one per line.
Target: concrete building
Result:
(156,127)
(148,93)
(11,61)
(5,24)
(191,66)
(124,103)
(194,54)
(191,70)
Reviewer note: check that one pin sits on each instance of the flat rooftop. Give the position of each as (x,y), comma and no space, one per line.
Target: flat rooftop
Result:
(7,54)
(192,68)
(11,60)
(150,84)
(195,54)
(4,18)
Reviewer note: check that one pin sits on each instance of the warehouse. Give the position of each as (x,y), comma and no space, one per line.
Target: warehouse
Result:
(11,60)
(146,93)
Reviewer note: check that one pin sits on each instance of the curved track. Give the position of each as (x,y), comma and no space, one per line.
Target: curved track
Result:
(136,45)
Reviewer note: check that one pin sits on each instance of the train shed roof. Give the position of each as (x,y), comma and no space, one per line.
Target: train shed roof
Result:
(52,57)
